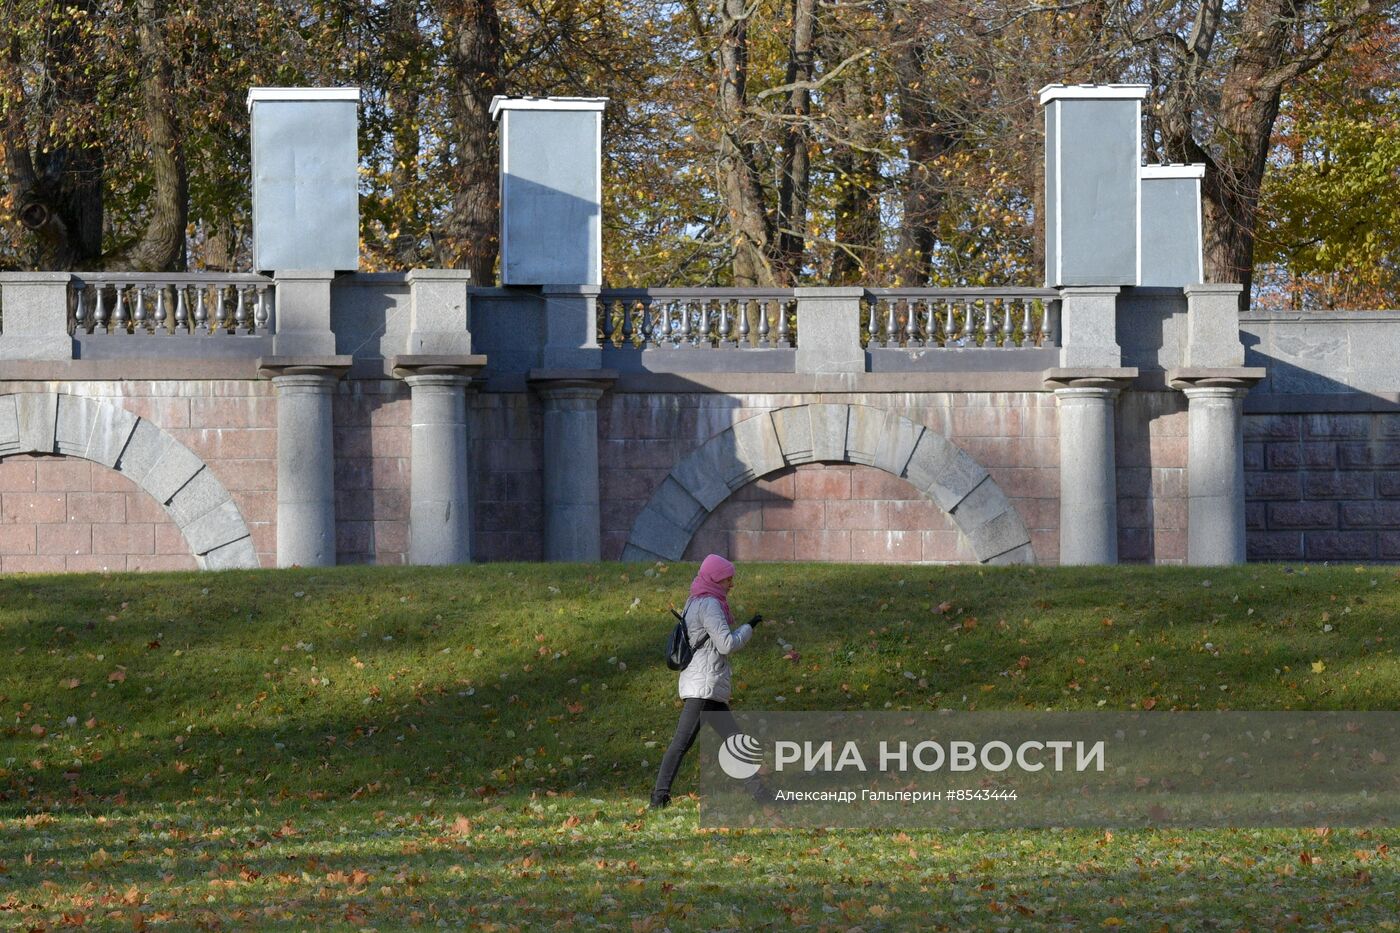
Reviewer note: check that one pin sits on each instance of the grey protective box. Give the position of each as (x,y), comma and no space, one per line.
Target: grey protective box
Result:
(1093,145)
(551,190)
(1172,254)
(306,198)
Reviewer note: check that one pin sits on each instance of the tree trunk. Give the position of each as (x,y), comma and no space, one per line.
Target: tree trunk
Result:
(796,172)
(1266,58)
(856,167)
(925,141)
(750,227)
(161,246)
(403,45)
(56,185)
(471,232)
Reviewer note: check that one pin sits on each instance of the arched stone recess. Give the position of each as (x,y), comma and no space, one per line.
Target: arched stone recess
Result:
(200,506)
(757,446)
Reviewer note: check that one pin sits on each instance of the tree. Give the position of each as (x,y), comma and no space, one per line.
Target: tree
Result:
(1329,232)
(1222,114)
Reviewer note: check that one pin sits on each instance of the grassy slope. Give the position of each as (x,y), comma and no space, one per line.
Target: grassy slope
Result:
(367,708)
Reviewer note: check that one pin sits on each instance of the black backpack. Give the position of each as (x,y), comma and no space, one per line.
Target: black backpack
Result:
(678,647)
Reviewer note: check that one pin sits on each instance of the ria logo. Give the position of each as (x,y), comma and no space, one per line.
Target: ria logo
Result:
(740,756)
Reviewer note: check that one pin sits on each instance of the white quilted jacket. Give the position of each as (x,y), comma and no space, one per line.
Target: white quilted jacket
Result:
(708,674)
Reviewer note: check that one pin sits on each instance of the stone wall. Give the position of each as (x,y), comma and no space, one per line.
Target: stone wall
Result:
(846,511)
(230,425)
(1150,440)
(66,514)
(372,420)
(1323,486)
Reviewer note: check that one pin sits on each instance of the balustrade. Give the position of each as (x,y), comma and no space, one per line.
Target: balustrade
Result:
(172,303)
(697,318)
(952,319)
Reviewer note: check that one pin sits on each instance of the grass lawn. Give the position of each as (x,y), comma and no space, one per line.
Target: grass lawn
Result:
(392,747)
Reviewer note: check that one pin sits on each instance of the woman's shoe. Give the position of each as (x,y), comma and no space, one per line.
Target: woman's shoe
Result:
(660,803)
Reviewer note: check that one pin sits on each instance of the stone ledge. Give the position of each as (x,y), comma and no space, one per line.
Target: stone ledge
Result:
(434,364)
(1236,377)
(1110,377)
(272,366)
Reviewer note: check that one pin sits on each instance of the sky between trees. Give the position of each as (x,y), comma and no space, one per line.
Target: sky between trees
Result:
(758,142)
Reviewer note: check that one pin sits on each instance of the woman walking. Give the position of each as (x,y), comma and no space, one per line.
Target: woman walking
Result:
(705,683)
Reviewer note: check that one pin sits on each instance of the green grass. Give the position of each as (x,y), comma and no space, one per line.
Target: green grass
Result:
(388,747)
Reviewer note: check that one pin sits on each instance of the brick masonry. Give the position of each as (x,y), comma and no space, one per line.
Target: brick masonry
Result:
(59,514)
(1150,450)
(853,512)
(1319,486)
(373,445)
(1322,486)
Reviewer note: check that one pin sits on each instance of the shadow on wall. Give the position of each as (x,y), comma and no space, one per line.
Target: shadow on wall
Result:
(1322,441)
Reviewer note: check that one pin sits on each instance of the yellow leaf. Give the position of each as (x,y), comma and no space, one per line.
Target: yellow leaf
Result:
(1318,667)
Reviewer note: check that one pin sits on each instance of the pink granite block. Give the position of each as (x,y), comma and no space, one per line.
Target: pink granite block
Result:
(235,412)
(63,475)
(391,537)
(791,516)
(138,538)
(19,538)
(856,515)
(23,563)
(67,538)
(95,563)
(891,547)
(151,562)
(818,481)
(34,508)
(762,545)
(17,474)
(822,545)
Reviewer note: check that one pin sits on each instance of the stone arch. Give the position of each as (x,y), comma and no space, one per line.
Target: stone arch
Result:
(755,447)
(200,506)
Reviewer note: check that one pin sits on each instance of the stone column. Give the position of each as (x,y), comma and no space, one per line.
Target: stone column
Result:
(305,458)
(1215,533)
(439,491)
(572,511)
(1088,466)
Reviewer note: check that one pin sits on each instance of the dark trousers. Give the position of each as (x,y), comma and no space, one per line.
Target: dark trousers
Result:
(686,730)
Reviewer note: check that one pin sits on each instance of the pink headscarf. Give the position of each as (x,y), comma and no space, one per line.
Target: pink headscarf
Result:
(712,570)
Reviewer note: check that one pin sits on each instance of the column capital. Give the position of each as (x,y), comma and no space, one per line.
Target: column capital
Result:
(416,368)
(1107,377)
(327,367)
(560,384)
(1237,378)
(1231,289)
